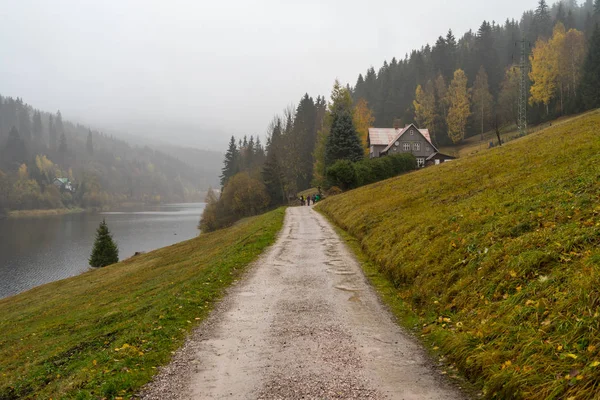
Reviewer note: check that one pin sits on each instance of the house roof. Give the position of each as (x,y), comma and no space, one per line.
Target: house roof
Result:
(64,181)
(440,155)
(423,132)
(382,136)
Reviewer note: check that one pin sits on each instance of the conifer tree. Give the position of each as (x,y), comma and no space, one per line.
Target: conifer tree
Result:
(105,251)
(52,139)
(589,88)
(343,142)
(231,162)
(89,144)
(37,125)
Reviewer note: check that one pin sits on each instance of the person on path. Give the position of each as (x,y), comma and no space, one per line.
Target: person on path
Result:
(314,199)
(308,200)
(302,200)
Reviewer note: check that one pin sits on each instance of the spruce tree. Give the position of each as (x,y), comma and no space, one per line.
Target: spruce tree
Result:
(343,142)
(89,145)
(105,251)
(590,81)
(230,164)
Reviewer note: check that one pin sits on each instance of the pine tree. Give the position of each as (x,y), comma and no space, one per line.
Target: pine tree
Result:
(273,172)
(52,138)
(37,125)
(62,147)
(231,162)
(542,20)
(589,88)
(105,251)
(89,144)
(343,142)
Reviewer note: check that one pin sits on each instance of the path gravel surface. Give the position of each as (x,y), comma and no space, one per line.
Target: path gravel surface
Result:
(303,324)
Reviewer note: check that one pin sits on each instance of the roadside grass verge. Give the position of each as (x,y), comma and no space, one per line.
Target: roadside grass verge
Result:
(498,256)
(102,334)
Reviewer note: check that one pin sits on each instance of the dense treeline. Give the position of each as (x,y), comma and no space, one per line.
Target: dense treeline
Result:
(37,147)
(459,87)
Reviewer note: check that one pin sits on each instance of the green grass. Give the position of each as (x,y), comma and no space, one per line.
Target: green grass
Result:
(497,255)
(102,334)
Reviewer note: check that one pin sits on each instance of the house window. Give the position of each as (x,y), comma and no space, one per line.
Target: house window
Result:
(412,132)
(416,146)
(437,162)
(406,146)
(420,162)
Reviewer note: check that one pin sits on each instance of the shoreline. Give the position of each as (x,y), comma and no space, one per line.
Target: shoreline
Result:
(44,213)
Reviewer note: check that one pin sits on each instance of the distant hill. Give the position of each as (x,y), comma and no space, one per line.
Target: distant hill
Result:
(496,257)
(37,147)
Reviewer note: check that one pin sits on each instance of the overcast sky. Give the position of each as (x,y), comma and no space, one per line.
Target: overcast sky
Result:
(209,69)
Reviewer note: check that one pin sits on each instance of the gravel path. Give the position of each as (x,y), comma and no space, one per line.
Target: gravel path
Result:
(303,324)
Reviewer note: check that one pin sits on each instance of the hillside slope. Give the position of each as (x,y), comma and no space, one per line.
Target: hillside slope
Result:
(103,333)
(498,255)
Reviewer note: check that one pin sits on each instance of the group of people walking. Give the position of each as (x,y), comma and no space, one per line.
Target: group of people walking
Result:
(306,200)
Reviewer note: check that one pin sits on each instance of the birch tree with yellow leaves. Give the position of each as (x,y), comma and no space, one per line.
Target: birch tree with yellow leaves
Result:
(459,111)
(424,104)
(556,66)
(363,119)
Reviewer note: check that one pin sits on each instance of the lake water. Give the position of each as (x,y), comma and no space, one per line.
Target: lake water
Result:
(38,250)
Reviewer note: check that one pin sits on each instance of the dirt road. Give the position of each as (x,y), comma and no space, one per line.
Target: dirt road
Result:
(304,324)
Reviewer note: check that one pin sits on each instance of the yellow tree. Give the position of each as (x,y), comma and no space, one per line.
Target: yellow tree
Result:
(544,73)
(363,119)
(571,57)
(424,104)
(458,100)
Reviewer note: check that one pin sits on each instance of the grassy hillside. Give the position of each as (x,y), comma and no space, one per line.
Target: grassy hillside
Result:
(497,256)
(103,333)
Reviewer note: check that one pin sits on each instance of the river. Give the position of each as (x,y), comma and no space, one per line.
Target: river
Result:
(38,250)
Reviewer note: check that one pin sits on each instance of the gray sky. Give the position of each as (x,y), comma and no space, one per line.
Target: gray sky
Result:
(209,69)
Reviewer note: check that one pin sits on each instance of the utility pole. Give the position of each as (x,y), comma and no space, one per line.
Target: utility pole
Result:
(523,81)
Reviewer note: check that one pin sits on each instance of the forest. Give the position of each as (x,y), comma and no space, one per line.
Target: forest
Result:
(37,147)
(456,88)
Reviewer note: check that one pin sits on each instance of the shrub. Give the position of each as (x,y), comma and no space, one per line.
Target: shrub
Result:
(242,196)
(105,251)
(342,174)
(334,190)
(347,175)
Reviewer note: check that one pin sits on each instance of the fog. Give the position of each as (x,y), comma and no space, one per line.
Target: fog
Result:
(195,72)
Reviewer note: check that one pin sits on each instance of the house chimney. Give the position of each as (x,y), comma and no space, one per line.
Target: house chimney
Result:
(397,123)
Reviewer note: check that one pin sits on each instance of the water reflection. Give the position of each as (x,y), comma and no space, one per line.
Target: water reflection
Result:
(34,251)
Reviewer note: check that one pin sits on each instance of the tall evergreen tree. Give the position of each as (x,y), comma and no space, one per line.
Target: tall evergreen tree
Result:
(589,89)
(231,162)
(343,142)
(273,170)
(52,137)
(105,251)
(542,21)
(37,125)
(89,144)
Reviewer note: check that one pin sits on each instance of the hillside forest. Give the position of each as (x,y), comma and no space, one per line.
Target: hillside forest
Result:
(99,171)
(457,88)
